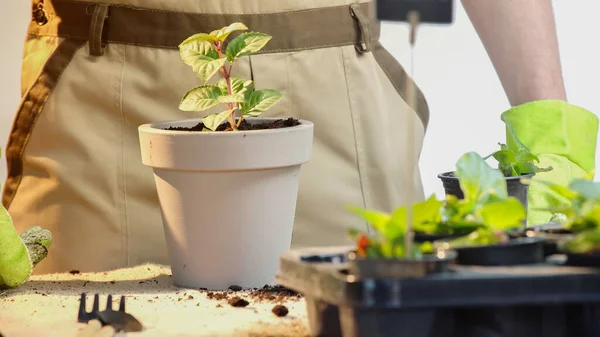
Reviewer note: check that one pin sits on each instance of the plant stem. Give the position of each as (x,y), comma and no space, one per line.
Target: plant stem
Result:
(227,75)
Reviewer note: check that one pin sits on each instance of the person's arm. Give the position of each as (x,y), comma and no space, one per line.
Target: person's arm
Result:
(521,41)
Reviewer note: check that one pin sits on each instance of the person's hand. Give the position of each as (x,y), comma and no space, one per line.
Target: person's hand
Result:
(563,136)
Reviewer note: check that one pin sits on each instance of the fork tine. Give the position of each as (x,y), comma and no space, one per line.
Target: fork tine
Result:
(109,306)
(82,313)
(96,303)
(122,304)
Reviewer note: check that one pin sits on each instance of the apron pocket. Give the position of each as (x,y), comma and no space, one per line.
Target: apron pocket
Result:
(31,106)
(398,77)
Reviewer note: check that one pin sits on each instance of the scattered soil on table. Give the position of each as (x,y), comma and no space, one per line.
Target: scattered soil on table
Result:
(267,293)
(73,272)
(216,296)
(244,126)
(280,310)
(238,302)
(274,293)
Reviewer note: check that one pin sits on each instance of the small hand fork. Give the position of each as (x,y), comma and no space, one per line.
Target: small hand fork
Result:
(112,321)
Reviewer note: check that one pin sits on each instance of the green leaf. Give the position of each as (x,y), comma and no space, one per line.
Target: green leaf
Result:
(202,57)
(480,237)
(377,219)
(200,98)
(213,121)
(523,155)
(584,243)
(565,193)
(260,101)
(504,157)
(246,44)
(198,38)
(503,214)
(426,247)
(585,188)
(353,234)
(207,68)
(235,98)
(238,85)
(427,215)
(197,52)
(478,180)
(224,32)
(524,168)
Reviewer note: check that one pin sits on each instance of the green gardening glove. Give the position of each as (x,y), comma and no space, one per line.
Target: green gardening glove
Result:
(20,253)
(563,136)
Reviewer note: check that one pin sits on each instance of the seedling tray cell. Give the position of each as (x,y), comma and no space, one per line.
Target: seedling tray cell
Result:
(547,299)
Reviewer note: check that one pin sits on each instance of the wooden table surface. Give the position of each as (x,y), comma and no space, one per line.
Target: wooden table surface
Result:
(47,305)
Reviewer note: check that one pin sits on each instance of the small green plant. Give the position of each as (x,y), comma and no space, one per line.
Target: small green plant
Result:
(486,208)
(390,229)
(519,162)
(577,205)
(207,54)
(577,208)
(483,217)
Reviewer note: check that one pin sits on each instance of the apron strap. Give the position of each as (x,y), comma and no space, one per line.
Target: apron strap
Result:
(292,31)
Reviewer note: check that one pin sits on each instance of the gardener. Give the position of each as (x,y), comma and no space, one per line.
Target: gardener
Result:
(92,73)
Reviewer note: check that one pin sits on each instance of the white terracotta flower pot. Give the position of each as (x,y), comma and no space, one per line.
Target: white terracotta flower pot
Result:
(227,199)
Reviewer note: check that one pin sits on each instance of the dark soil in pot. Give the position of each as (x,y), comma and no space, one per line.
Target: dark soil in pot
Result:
(245,126)
(520,251)
(513,185)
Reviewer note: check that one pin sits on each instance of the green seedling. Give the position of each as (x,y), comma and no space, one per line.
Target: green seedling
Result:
(483,216)
(388,240)
(575,206)
(486,208)
(516,162)
(208,54)
(586,242)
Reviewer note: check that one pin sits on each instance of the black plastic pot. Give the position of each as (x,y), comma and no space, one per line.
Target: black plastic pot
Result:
(583,260)
(552,234)
(514,186)
(400,268)
(520,251)
(546,300)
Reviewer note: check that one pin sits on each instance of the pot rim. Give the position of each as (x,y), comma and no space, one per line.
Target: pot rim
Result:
(447,255)
(516,242)
(157,127)
(446,176)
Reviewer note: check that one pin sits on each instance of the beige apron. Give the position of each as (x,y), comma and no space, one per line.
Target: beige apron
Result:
(92,73)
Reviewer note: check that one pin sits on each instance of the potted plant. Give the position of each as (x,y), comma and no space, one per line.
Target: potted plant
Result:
(490,214)
(227,183)
(576,221)
(459,217)
(517,166)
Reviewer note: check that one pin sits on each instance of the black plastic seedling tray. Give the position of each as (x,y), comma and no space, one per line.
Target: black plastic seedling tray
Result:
(546,300)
